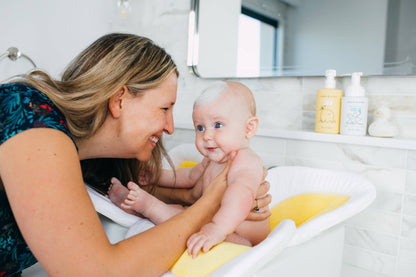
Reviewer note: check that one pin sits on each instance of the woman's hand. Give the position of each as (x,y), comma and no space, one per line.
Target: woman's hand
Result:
(219,184)
(260,207)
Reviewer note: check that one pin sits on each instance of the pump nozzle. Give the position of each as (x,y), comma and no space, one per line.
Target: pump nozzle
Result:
(330,78)
(355,89)
(355,78)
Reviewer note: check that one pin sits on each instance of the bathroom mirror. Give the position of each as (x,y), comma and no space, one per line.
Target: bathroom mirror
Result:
(265,38)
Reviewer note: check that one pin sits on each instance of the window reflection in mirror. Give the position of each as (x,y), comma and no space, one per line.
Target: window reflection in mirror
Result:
(257,42)
(376,37)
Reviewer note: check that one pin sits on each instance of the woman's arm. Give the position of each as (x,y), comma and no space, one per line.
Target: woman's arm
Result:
(41,174)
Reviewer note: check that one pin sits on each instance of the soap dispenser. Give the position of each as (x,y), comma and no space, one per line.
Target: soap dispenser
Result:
(354,108)
(328,104)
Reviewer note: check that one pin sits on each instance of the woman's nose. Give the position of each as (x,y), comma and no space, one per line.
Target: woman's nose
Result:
(169,127)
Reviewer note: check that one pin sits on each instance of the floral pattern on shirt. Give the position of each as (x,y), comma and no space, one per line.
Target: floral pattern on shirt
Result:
(21,108)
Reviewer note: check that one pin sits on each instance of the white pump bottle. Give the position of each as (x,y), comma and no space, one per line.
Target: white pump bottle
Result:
(354,109)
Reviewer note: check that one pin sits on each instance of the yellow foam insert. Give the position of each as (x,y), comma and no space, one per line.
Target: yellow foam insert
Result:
(187,164)
(305,207)
(206,263)
(299,208)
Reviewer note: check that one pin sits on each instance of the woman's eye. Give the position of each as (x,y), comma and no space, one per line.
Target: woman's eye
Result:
(200,128)
(218,125)
(165,109)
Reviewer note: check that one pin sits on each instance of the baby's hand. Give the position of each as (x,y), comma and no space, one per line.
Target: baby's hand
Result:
(209,236)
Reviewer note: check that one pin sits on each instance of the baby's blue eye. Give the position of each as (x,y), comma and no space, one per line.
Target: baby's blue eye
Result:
(200,128)
(218,125)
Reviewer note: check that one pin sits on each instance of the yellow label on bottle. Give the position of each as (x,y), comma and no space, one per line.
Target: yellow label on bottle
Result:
(328,107)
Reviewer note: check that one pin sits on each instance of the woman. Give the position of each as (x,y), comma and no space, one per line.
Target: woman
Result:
(115,101)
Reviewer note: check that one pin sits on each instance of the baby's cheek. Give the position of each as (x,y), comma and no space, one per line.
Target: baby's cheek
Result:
(229,144)
(200,148)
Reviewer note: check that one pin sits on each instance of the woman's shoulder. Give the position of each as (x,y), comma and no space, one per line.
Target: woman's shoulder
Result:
(17,94)
(23,107)
(13,88)
(23,91)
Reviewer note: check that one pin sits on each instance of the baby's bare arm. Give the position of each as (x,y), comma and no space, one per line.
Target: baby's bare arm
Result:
(186,177)
(244,177)
(237,201)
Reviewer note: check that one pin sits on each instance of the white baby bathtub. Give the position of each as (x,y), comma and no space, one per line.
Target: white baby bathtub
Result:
(313,249)
(316,247)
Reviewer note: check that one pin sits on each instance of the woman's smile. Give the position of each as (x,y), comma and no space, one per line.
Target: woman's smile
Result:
(153,140)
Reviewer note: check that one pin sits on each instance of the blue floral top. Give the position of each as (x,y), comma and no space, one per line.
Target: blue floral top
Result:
(21,108)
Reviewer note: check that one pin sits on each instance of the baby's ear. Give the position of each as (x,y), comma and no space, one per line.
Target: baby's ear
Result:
(251,127)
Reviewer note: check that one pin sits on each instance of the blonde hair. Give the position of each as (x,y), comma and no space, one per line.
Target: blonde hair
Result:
(92,78)
(218,88)
(211,93)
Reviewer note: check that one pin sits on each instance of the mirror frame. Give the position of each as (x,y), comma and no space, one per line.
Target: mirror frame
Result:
(193,36)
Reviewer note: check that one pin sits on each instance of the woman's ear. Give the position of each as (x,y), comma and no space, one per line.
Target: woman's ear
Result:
(251,127)
(115,104)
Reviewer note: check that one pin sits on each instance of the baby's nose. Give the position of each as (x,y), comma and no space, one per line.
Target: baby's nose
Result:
(208,134)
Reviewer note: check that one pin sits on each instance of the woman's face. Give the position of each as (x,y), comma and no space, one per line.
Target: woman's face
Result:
(145,118)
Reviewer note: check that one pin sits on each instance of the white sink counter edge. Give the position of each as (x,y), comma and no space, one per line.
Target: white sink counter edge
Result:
(398,143)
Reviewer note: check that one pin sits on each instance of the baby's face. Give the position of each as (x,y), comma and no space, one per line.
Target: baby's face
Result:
(220,127)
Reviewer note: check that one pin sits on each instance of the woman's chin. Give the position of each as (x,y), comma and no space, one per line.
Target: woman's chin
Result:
(144,156)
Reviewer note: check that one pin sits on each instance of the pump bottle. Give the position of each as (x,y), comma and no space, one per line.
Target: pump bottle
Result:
(354,108)
(328,105)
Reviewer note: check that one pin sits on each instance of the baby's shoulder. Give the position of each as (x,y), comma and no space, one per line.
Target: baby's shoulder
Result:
(246,160)
(248,155)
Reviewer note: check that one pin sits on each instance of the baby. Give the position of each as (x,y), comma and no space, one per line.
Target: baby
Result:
(225,120)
